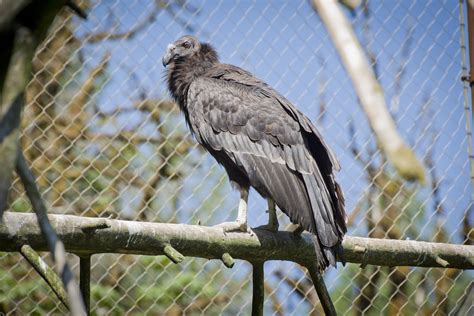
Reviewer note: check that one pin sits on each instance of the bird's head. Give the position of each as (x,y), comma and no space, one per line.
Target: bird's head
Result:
(186,48)
(183,48)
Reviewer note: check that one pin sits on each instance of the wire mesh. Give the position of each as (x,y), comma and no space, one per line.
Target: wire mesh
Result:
(105,140)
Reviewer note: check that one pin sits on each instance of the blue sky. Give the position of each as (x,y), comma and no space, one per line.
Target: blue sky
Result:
(284,43)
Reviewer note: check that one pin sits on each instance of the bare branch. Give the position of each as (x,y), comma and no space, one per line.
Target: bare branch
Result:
(85,281)
(258,295)
(369,91)
(107,35)
(351,4)
(8,11)
(322,86)
(276,304)
(321,289)
(304,289)
(76,9)
(210,242)
(406,49)
(227,260)
(196,306)
(9,131)
(46,272)
(46,231)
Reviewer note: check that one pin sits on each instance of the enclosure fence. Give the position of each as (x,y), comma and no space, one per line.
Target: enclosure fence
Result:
(104,140)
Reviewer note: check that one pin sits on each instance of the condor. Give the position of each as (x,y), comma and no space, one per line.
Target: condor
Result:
(262,141)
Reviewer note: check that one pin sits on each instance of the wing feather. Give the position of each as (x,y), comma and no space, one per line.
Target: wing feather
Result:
(275,146)
(236,74)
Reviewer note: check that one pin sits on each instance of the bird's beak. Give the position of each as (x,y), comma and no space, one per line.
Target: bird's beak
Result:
(169,55)
(167,58)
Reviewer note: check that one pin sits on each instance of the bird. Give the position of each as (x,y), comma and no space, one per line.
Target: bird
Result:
(263,142)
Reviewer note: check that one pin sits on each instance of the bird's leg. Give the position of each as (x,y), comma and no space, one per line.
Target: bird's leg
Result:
(241,223)
(243,206)
(272,218)
(272,215)
(297,230)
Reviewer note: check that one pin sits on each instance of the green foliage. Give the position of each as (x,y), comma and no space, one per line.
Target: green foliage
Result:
(155,285)
(22,290)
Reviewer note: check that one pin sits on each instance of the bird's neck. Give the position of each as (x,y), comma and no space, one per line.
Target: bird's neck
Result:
(183,72)
(180,77)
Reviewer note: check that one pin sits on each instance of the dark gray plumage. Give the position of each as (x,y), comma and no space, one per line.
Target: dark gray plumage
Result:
(261,139)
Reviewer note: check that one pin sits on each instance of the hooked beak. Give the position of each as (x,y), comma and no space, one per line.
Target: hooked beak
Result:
(168,57)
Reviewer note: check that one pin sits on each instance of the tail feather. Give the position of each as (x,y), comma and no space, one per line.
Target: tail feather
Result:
(311,200)
(329,217)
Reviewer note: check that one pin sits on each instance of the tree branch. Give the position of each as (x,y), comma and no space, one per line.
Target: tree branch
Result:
(9,131)
(22,28)
(258,296)
(369,91)
(210,242)
(322,290)
(46,272)
(46,231)
(276,304)
(85,281)
(108,35)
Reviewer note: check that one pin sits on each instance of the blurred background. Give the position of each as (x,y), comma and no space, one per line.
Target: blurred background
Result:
(105,140)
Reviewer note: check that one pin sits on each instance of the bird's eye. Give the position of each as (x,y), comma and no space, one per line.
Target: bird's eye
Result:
(187,45)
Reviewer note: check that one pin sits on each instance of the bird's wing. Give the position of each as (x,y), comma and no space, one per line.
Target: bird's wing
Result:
(267,144)
(326,157)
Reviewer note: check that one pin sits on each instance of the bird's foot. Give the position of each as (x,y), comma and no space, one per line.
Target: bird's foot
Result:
(273,228)
(236,226)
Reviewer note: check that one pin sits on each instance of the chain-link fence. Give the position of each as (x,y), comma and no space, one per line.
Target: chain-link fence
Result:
(104,140)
